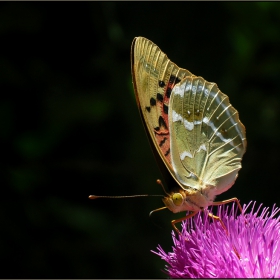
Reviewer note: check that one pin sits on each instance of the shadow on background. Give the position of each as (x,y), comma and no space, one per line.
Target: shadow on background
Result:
(70,126)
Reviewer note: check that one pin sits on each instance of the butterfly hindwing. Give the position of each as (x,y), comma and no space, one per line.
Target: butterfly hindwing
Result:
(207,137)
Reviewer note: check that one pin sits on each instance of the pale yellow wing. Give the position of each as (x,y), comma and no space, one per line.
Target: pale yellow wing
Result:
(207,138)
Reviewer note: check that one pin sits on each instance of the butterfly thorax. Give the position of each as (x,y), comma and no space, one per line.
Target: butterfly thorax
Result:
(190,199)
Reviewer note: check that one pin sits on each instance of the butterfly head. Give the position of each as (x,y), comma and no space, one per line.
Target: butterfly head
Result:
(181,201)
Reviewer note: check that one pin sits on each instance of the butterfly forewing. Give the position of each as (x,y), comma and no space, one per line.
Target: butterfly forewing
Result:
(154,77)
(207,137)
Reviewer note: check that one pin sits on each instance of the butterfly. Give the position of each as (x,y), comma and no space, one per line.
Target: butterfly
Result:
(195,133)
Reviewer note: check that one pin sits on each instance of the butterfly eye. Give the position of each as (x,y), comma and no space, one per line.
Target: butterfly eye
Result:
(177,199)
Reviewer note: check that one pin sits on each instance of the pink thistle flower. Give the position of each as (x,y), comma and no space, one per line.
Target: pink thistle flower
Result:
(204,250)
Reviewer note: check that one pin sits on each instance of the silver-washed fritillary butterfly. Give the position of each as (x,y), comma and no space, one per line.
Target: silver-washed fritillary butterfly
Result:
(192,128)
(194,131)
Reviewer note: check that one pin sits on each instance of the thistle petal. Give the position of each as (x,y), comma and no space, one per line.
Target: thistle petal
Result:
(251,250)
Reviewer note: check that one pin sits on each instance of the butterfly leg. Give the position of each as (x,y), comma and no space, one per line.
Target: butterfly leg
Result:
(224,227)
(234,199)
(180,220)
(220,220)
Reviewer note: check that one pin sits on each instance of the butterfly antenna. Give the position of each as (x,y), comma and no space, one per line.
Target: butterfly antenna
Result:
(160,183)
(121,196)
(130,196)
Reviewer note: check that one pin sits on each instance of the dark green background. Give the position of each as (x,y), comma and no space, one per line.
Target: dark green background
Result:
(70,126)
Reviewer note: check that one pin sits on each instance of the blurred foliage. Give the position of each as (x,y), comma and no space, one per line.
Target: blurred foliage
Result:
(70,126)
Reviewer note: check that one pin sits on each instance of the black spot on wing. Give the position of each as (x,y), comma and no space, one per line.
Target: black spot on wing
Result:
(167,152)
(152,101)
(148,109)
(162,141)
(165,108)
(174,80)
(168,91)
(161,122)
(161,84)
(177,80)
(159,97)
